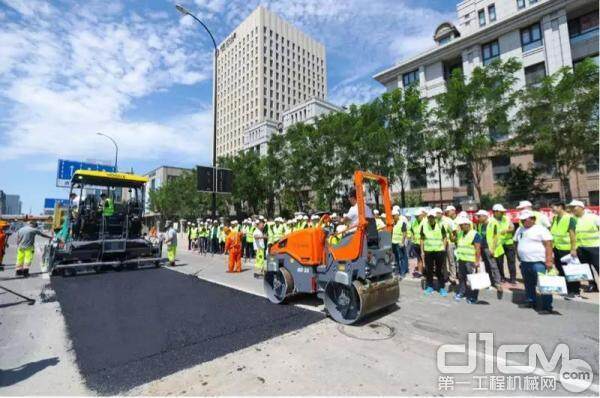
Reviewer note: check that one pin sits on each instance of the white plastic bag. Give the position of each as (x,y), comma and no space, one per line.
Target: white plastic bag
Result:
(549,284)
(479,280)
(577,272)
(568,259)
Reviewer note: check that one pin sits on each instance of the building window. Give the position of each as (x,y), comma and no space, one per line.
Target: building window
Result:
(464,178)
(417,177)
(534,74)
(584,26)
(500,167)
(410,78)
(490,52)
(531,37)
(481,14)
(520,4)
(592,164)
(492,12)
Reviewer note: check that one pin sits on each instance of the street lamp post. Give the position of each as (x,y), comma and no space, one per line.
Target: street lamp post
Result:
(184,11)
(116,148)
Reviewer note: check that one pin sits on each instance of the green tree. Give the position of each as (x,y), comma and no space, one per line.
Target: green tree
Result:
(521,184)
(471,112)
(249,187)
(558,119)
(178,198)
(406,119)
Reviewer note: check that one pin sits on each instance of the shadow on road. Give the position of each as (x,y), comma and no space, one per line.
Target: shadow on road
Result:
(12,376)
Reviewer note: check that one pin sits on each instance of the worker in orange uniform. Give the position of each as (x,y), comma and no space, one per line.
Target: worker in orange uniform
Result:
(3,242)
(233,246)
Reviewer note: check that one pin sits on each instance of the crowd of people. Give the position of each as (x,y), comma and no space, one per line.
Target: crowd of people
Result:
(448,245)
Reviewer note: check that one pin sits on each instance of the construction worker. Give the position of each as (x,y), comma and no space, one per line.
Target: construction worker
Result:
(534,250)
(433,247)
(222,237)
(194,236)
(290,226)
(468,254)
(314,221)
(491,247)
(447,218)
(106,205)
(336,238)
(259,248)
(171,242)
(507,231)
(504,227)
(3,242)
(233,246)
(399,243)
(564,243)
(414,234)
(588,237)
(276,231)
(26,247)
(250,239)
(351,218)
(540,218)
(214,237)
(202,237)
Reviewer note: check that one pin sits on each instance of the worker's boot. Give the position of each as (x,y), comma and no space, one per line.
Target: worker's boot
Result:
(26,273)
(19,272)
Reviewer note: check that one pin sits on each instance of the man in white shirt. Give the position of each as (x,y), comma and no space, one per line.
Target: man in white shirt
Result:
(352,215)
(534,249)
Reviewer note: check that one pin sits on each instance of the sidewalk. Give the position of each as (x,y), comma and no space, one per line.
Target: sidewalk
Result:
(212,268)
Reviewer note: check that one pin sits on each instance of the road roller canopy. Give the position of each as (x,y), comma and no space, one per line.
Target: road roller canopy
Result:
(108,179)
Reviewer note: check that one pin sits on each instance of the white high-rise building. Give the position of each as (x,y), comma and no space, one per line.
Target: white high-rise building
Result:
(544,35)
(265,66)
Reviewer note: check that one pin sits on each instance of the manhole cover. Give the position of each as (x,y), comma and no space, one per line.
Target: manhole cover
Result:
(370,332)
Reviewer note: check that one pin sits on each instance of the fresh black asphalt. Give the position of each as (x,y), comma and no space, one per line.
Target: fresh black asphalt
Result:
(129,328)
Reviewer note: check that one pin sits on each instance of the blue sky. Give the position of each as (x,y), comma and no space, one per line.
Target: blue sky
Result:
(138,71)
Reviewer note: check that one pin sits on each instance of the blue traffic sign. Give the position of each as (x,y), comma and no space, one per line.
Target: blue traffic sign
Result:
(66,169)
(49,203)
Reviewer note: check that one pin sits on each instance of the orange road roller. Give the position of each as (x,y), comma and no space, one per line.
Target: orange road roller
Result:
(351,271)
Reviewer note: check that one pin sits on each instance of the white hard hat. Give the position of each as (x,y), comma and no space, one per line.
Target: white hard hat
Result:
(340,228)
(462,220)
(437,210)
(278,219)
(482,213)
(431,213)
(234,222)
(450,207)
(290,221)
(334,215)
(523,204)
(525,214)
(463,214)
(314,217)
(395,212)
(396,207)
(383,215)
(498,207)
(577,203)
(305,217)
(421,210)
(376,212)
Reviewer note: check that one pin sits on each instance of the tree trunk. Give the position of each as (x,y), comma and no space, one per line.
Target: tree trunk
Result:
(402,194)
(566,183)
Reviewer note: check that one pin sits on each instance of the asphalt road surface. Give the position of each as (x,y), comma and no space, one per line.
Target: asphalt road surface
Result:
(128,328)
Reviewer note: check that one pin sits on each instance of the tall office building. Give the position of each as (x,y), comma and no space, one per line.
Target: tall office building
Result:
(265,67)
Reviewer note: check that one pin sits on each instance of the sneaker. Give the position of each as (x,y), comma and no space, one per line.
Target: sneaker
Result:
(499,292)
(458,297)
(428,291)
(443,292)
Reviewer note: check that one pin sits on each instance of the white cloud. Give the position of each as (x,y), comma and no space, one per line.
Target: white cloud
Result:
(358,93)
(78,75)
